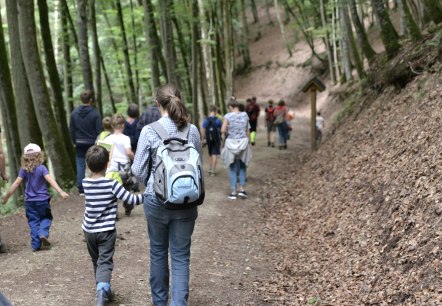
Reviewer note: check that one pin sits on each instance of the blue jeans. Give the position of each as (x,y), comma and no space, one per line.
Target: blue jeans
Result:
(282,133)
(169,230)
(39,219)
(81,150)
(237,169)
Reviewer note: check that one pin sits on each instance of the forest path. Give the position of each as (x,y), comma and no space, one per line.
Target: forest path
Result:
(228,261)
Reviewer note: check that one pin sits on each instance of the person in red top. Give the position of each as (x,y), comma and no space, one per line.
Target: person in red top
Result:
(269,111)
(280,122)
(252,110)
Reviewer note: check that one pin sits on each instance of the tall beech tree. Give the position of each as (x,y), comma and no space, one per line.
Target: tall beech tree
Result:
(53,139)
(155,56)
(23,102)
(130,79)
(82,7)
(54,78)
(389,35)
(7,106)
(166,15)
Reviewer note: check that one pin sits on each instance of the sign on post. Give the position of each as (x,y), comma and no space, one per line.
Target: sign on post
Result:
(312,86)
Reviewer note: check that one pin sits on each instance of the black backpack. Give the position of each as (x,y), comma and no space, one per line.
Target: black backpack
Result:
(212,130)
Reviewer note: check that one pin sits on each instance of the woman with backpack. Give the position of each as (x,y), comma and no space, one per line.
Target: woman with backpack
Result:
(169,230)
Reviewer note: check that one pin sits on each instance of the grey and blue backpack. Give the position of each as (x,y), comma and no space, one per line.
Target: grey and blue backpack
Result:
(178,175)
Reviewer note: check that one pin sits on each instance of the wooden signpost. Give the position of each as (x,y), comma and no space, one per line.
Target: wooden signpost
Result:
(313,85)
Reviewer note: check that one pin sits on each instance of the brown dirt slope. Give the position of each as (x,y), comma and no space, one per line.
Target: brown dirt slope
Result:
(358,221)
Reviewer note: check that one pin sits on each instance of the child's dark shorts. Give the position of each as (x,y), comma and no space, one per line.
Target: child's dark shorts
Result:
(214,148)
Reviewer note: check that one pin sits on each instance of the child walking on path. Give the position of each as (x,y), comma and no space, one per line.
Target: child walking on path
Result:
(37,197)
(101,195)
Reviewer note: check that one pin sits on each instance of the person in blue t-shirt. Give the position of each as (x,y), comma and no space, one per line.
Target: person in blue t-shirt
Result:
(211,135)
(37,197)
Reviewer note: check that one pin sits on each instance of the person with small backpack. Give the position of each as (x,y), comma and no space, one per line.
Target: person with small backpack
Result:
(168,161)
(269,115)
(211,135)
(280,122)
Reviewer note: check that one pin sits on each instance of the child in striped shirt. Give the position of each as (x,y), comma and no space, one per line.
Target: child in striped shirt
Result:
(101,195)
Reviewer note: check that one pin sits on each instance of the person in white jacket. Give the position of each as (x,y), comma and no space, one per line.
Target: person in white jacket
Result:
(236,153)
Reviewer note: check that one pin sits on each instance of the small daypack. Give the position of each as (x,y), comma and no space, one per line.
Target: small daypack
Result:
(178,175)
(212,130)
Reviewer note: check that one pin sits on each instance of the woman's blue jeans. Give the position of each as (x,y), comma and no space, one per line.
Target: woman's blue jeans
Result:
(237,169)
(282,133)
(169,231)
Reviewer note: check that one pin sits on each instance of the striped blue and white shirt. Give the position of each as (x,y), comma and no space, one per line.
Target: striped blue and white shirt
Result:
(149,141)
(100,209)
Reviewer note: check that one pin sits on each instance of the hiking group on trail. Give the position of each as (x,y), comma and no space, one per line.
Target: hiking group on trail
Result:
(160,149)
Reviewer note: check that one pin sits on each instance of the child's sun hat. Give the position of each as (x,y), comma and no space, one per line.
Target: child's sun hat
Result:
(32,148)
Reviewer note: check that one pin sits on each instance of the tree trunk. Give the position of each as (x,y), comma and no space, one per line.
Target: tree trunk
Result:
(23,102)
(281,26)
(166,11)
(153,44)
(412,27)
(389,35)
(195,37)
(351,39)
(8,111)
(244,44)
(269,17)
(54,142)
(67,62)
(335,20)
(134,42)
(97,57)
(116,50)
(183,47)
(207,58)
(65,9)
(229,60)
(327,42)
(54,77)
(83,45)
(108,85)
(256,19)
(127,64)
(345,51)
(361,35)
(434,10)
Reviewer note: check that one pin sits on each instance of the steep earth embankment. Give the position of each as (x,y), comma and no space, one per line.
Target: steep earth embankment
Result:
(358,221)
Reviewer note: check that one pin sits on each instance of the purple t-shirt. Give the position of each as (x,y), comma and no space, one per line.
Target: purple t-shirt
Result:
(36,189)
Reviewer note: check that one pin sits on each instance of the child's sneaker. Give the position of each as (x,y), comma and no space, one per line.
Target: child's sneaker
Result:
(242,194)
(103,297)
(232,196)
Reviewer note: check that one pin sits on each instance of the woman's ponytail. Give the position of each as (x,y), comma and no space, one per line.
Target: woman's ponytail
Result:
(169,97)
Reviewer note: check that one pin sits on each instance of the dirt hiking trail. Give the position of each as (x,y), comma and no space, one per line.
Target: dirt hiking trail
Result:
(229,261)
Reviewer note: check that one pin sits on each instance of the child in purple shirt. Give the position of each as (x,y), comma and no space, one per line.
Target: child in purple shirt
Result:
(38,210)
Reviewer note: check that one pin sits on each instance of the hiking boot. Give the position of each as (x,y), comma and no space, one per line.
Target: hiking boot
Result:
(45,244)
(232,196)
(243,194)
(272,145)
(102,298)
(268,144)
(253,143)
(285,147)
(2,247)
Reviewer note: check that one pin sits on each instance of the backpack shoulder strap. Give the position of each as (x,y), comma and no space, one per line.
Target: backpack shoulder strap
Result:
(160,130)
